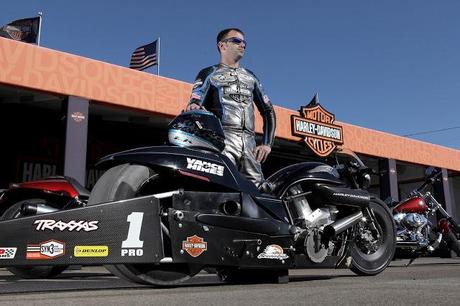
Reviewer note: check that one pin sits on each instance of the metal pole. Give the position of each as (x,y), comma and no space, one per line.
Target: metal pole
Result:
(158,55)
(40,14)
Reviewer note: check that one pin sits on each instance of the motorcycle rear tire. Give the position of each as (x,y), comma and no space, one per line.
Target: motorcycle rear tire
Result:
(374,263)
(125,182)
(14,211)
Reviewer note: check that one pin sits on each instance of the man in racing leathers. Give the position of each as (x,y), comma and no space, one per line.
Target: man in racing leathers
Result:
(230,92)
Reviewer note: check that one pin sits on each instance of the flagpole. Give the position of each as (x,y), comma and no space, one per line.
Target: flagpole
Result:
(158,57)
(40,14)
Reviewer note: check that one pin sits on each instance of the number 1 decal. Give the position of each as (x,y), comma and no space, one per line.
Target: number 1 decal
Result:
(134,232)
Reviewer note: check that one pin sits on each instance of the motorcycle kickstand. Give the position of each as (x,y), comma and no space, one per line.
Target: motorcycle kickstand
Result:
(411,261)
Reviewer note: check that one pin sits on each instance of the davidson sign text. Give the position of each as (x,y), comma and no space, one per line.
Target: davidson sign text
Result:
(316,126)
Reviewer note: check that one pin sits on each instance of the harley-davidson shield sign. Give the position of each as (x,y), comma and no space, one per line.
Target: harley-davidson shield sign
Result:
(316,126)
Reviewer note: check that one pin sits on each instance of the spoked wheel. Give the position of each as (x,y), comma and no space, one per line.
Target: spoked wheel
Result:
(375,242)
(13,212)
(129,181)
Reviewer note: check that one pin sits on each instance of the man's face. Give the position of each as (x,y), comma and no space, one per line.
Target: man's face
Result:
(233,44)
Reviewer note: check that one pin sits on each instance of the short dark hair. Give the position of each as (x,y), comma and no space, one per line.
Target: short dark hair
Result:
(223,33)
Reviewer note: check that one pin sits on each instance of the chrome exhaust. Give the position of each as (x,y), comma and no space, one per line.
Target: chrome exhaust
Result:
(36,209)
(341,225)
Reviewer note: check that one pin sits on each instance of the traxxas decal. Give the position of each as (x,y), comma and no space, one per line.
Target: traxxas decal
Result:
(203,166)
(70,226)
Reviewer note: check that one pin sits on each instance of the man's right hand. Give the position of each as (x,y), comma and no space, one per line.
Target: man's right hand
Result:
(193,106)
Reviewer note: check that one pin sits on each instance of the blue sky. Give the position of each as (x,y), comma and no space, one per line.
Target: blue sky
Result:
(392,65)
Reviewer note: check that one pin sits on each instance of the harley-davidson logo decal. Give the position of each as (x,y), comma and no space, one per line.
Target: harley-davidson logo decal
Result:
(316,126)
(194,246)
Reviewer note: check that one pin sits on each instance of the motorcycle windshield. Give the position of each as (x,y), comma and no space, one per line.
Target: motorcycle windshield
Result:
(345,154)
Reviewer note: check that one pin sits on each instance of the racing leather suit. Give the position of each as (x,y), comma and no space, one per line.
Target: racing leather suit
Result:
(230,93)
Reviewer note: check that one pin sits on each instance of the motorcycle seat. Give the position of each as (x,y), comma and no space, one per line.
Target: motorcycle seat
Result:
(82,191)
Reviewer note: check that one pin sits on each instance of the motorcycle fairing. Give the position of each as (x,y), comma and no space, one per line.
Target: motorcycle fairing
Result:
(263,207)
(179,158)
(199,243)
(116,227)
(56,184)
(343,196)
(307,171)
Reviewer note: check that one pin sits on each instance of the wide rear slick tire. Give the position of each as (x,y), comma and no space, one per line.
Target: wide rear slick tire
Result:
(14,211)
(125,182)
(375,262)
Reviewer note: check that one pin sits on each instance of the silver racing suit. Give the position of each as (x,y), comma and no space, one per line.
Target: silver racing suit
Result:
(230,93)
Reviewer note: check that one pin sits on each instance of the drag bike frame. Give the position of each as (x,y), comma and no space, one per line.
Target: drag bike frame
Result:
(195,209)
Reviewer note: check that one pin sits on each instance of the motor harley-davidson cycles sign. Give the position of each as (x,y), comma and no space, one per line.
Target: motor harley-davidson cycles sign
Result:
(316,126)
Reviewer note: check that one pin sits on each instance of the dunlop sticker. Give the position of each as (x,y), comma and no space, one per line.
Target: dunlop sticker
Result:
(91,251)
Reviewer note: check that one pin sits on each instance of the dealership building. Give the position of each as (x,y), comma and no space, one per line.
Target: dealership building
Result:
(59,113)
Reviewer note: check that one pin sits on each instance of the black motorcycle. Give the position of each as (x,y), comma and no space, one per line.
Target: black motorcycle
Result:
(159,215)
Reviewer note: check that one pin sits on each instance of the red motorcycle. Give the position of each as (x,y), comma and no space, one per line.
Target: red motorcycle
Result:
(415,234)
(40,197)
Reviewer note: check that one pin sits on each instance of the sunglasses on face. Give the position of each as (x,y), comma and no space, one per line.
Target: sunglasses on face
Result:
(235,40)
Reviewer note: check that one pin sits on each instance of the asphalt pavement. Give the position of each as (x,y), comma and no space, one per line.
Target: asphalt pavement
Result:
(427,281)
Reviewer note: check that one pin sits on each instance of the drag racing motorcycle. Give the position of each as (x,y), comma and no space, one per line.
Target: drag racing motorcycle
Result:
(415,233)
(159,215)
(39,197)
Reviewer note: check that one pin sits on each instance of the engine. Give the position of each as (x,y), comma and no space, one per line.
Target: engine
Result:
(310,224)
(414,221)
(412,227)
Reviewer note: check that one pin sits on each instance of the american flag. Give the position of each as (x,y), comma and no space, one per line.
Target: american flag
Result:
(144,56)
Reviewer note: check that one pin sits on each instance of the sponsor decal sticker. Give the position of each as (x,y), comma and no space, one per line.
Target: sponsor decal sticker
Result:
(91,251)
(7,253)
(78,116)
(72,225)
(316,125)
(132,246)
(273,251)
(203,166)
(194,246)
(45,250)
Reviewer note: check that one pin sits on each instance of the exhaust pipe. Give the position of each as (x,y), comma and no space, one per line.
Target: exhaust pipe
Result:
(36,209)
(231,208)
(341,225)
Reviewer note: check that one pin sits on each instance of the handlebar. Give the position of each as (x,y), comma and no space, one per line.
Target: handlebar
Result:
(429,181)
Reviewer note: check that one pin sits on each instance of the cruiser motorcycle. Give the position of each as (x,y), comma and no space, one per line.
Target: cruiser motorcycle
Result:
(415,233)
(161,214)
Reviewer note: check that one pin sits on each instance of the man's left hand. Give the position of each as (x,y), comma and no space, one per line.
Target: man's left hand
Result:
(262,152)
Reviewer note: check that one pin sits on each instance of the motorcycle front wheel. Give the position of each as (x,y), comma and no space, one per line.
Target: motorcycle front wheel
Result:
(375,241)
(128,181)
(452,243)
(13,212)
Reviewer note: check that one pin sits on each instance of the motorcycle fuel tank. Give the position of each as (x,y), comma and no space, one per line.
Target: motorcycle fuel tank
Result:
(413,205)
